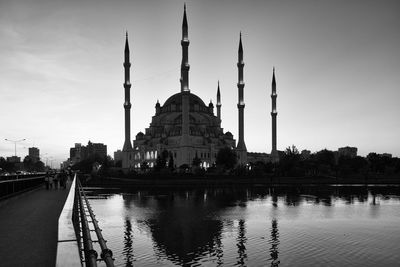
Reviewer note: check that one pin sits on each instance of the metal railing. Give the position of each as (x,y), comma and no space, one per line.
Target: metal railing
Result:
(12,187)
(87,218)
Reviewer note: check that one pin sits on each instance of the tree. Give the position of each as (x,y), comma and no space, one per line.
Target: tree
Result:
(161,161)
(39,166)
(6,166)
(118,163)
(144,166)
(28,163)
(226,158)
(376,162)
(289,164)
(196,161)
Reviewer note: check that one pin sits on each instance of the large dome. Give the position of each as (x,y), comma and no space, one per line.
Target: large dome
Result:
(177,100)
(174,104)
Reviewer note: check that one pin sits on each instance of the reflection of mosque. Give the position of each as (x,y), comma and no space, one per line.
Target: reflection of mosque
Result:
(185,225)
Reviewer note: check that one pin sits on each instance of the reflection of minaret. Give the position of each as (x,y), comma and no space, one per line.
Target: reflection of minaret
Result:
(274,244)
(219,104)
(241,243)
(241,146)
(127,103)
(128,240)
(185,91)
(274,113)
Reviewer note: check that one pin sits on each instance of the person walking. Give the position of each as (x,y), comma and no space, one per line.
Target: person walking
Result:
(50,181)
(63,179)
(56,180)
(47,180)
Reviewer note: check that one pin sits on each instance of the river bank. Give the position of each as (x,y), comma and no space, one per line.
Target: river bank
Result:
(227,180)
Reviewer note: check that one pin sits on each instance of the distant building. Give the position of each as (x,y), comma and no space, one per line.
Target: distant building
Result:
(305,154)
(34,154)
(80,152)
(96,150)
(253,157)
(118,155)
(65,164)
(347,151)
(14,159)
(387,155)
(77,153)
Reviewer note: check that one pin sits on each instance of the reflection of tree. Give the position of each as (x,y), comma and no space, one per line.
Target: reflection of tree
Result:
(274,244)
(128,248)
(241,243)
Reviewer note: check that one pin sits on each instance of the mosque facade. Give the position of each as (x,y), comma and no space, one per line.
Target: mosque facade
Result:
(184,125)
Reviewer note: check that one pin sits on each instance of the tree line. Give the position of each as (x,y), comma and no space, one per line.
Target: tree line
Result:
(291,164)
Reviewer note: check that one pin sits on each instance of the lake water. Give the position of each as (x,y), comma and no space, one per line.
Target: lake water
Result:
(255,226)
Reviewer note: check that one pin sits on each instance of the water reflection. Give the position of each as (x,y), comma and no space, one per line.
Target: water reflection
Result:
(222,226)
(241,244)
(128,240)
(274,244)
(179,224)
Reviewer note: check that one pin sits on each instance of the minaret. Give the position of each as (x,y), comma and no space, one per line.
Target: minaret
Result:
(241,146)
(127,103)
(185,54)
(274,113)
(218,103)
(185,156)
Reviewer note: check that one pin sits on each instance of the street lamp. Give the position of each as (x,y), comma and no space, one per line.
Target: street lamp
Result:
(15,144)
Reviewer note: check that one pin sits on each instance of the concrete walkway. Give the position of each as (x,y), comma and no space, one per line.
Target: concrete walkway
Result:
(29,228)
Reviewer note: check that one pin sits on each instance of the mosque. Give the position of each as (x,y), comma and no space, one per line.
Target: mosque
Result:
(185,126)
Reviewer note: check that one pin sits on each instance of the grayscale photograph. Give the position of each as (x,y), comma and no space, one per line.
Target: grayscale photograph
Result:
(199,133)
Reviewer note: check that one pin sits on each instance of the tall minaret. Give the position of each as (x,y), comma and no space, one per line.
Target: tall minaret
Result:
(185,54)
(127,103)
(241,146)
(185,156)
(274,113)
(218,103)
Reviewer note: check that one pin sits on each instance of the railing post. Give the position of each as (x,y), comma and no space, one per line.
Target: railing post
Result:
(90,253)
(106,254)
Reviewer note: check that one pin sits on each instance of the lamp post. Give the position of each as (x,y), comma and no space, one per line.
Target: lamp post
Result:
(15,144)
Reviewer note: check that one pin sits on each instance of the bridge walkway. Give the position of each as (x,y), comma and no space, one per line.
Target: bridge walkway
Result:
(29,227)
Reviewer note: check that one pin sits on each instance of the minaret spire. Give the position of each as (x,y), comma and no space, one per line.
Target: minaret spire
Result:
(241,146)
(218,103)
(185,54)
(274,113)
(127,103)
(185,154)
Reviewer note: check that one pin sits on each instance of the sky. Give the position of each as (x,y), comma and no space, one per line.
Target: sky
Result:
(337,70)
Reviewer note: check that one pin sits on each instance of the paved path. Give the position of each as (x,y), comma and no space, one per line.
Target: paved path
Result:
(29,228)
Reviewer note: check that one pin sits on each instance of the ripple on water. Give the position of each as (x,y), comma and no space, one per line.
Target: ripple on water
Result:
(245,232)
